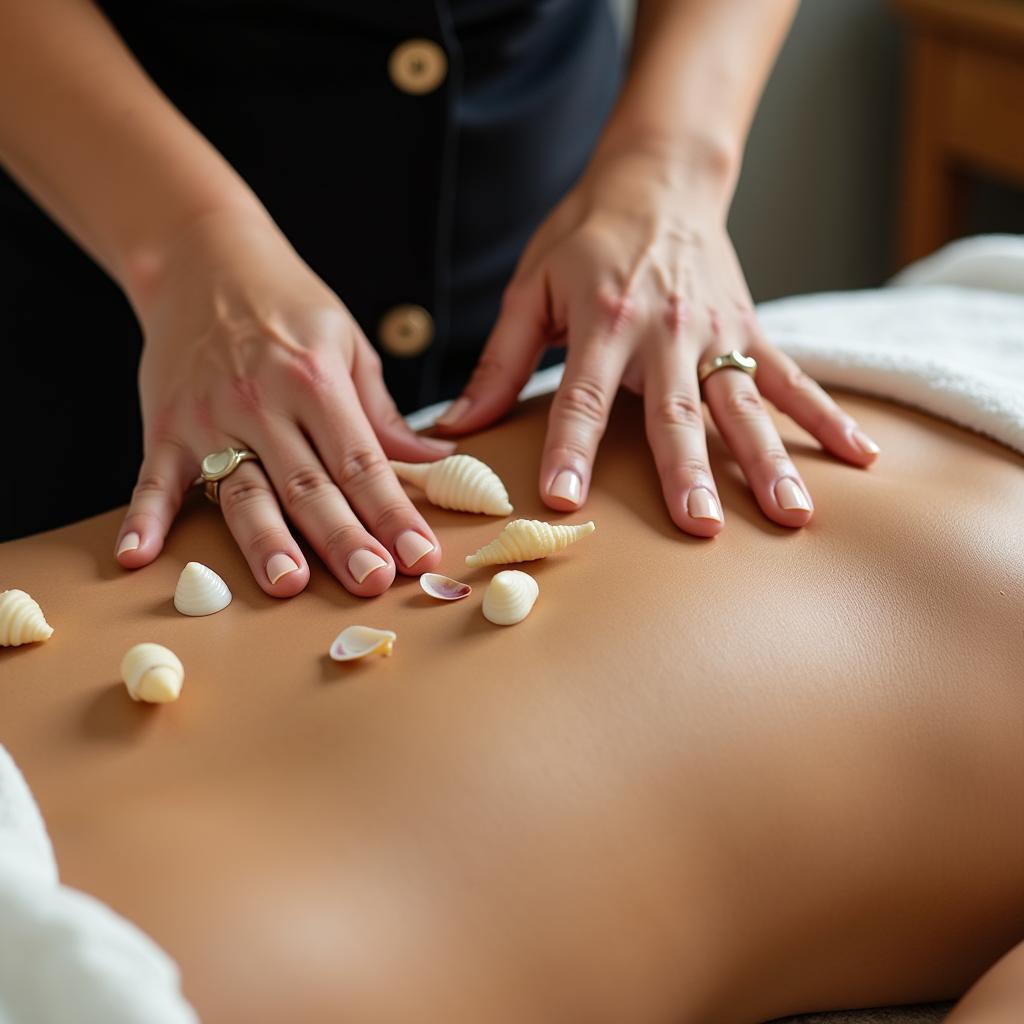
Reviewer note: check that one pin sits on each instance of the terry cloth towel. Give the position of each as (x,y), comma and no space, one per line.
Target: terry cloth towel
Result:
(935,339)
(66,958)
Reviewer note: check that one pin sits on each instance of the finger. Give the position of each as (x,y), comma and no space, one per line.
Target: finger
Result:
(749,432)
(509,357)
(801,398)
(398,440)
(167,471)
(579,416)
(358,467)
(253,516)
(674,418)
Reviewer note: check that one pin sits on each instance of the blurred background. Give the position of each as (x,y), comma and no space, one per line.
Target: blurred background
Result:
(818,203)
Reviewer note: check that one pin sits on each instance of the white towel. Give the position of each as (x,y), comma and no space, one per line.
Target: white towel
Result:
(66,958)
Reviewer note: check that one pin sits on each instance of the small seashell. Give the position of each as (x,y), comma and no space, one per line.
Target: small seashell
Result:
(152,673)
(21,620)
(510,597)
(526,539)
(444,588)
(458,482)
(359,641)
(200,591)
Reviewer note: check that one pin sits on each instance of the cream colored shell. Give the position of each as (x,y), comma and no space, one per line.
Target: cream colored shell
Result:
(357,642)
(526,539)
(200,591)
(510,597)
(458,482)
(152,673)
(21,620)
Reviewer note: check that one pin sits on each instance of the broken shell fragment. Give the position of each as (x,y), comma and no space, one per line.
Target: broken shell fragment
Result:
(526,539)
(510,597)
(21,620)
(458,482)
(358,641)
(200,591)
(152,673)
(444,588)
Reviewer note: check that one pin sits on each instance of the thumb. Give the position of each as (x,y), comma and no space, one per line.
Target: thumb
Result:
(509,357)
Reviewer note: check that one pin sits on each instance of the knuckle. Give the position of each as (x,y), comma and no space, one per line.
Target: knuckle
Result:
(150,484)
(359,466)
(392,515)
(574,452)
(744,404)
(341,539)
(691,468)
(583,399)
(306,370)
(614,306)
(247,394)
(798,383)
(303,485)
(489,368)
(237,493)
(679,409)
(270,538)
(775,460)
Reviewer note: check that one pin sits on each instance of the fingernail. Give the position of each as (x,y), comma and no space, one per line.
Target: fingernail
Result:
(280,565)
(411,547)
(129,542)
(567,485)
(701,504)
(362,562)
(862,441)
(444,447)
(454,412)
(789,495)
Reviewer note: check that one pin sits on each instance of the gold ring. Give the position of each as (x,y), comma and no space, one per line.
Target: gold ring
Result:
(730,361)
(218,465)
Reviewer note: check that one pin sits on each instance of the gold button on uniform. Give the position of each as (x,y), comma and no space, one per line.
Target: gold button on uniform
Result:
(406,331)
(417,66)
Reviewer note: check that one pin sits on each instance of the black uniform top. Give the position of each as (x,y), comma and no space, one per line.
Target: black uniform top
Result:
(407,149)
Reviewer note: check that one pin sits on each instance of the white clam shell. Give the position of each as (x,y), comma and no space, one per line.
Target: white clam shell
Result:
(200,591)
(458,482)
(523,540)
(152,673)
(444,588)
(358,641)
(21,620)
(510,597)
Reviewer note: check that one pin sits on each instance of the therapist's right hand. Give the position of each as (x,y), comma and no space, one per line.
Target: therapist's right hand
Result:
(245,346)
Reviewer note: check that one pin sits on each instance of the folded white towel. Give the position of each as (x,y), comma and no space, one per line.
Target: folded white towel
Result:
(66,958)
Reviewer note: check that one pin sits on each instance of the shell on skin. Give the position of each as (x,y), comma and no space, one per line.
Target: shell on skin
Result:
(523,540)
(458,482)
(21,620)
(152,673)
(200,591)
(510,597)
(444,588)
(356,642)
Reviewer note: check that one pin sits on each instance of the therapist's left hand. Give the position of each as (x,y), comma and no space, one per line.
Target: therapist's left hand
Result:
(634,271)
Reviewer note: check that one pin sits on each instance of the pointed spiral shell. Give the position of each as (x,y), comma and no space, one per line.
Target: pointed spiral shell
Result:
(459,482)
(200,591)
(510,597)
(526,539)
(152,673)
(21,620)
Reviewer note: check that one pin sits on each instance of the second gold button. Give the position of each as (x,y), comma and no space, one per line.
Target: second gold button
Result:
(406,331)
(418,66)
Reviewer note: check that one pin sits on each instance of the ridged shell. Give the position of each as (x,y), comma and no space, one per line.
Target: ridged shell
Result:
(359,641)
(526,539)
(510,597)
(152,673)
(200,591)
(459,482)
(21,620)
(444,588)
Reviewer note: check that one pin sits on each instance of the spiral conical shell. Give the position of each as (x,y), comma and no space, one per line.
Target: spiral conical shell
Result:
(21,620)
(458,482)
(200,591)
(510,597)
(152,673)
(526,539)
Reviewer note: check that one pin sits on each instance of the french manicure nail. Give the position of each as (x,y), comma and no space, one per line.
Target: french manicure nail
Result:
(454,412)
(701,504)
(790,495)
(566,485)
(280,565)
(362,562)
(411,547)
(129,542)
(864,443)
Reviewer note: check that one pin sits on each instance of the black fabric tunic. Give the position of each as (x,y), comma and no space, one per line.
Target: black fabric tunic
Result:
(394,197)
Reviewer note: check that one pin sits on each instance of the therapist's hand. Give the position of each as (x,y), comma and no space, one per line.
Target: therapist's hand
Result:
(245,346)
(634,271)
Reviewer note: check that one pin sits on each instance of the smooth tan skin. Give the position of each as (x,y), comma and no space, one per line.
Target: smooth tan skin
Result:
(705,782)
